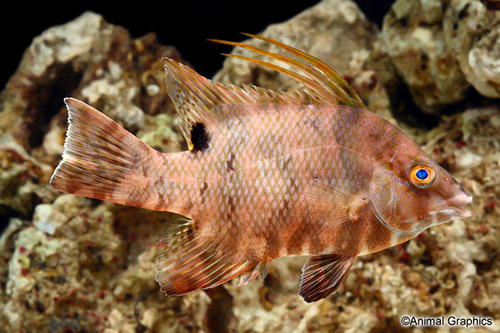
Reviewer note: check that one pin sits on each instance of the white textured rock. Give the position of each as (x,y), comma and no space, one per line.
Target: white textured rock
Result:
(72,39)
(120,94)
(42,219)
(468,160)
(416,43)
(472,33)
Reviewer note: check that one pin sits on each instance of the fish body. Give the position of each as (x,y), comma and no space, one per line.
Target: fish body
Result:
(268,174)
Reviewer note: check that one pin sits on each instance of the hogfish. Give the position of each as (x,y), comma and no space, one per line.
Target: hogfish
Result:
(268,174)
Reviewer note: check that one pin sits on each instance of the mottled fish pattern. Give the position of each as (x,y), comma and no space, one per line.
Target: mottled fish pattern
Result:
(267,174)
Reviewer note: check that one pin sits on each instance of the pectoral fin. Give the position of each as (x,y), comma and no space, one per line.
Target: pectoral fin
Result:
(323,275)
(332,203)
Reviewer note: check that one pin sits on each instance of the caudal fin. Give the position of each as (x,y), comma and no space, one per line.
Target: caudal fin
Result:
(101,159)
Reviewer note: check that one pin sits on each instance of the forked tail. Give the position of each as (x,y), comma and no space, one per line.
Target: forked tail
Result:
(102,160)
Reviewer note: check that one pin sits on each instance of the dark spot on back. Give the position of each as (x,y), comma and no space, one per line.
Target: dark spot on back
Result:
(199,137)
(230,163)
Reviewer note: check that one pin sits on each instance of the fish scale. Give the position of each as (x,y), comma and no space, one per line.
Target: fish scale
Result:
(264,178)
(267,175)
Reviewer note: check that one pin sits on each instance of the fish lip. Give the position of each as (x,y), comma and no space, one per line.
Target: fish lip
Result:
(453,208)
(461,199)
(458,202)
(461,212)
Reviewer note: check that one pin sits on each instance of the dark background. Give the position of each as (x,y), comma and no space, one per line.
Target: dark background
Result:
(183,24)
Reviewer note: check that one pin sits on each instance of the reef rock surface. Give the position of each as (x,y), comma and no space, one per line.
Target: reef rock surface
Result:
(335,31)
(442,47)
(74,264)
(472,33)
(68,262)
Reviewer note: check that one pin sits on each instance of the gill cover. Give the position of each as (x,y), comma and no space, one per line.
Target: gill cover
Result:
(386,204)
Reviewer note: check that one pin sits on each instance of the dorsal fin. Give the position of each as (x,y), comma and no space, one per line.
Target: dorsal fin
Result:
(194,95)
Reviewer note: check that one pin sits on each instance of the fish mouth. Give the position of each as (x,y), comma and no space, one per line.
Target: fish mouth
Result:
(458,202)
(461,212)
(454,208)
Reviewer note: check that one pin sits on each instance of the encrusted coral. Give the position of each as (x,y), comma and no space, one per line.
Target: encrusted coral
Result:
(442,47)
(76,264)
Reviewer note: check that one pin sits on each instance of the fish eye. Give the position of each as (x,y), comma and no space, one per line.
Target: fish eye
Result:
(422,176)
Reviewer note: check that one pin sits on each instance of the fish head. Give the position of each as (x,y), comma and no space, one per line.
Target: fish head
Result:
(412,193)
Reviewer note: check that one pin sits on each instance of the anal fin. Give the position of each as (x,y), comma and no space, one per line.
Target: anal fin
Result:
(186,262)
(323,275)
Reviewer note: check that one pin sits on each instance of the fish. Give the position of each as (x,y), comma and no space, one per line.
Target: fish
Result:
(267,174)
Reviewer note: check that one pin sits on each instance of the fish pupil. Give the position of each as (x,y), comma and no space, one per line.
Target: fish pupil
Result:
(422,174)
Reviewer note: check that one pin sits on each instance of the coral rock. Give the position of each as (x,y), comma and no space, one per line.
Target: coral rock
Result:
(472,32)
(90,59)
(335,31)
(416,43)
(75,264)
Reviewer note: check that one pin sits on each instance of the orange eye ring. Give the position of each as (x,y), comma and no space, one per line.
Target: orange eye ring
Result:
(422,176)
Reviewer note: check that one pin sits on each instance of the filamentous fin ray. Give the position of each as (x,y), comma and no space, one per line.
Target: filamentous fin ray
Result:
(335,81)
(186,262)
(328,84)
(314,86)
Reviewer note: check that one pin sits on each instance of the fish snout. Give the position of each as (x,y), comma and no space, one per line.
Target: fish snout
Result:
(459,201)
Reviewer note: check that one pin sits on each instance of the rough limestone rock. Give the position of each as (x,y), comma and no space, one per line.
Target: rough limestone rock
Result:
(71,264)
(335,31)
(472,33)
(442,47)
(92,60)
(413,32)
(89,59)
